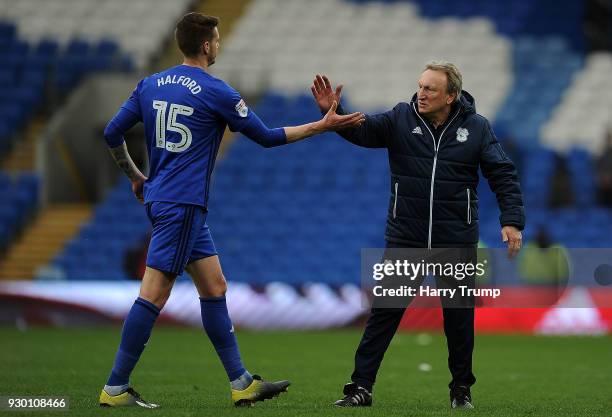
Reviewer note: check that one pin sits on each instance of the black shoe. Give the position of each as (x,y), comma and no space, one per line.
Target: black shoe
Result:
(460,397)
(354,396)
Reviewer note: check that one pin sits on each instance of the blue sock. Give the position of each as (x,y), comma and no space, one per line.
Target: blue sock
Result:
(218,327)
(136,332)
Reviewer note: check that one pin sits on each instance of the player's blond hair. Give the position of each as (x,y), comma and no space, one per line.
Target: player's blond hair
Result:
(453,76)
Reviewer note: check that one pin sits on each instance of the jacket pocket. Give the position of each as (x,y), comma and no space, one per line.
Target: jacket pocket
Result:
(395,201)
(469,207)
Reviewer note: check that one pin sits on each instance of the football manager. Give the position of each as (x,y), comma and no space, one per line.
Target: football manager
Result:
(436,144)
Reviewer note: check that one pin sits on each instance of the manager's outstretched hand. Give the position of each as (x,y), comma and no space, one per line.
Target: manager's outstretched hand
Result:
(323,93)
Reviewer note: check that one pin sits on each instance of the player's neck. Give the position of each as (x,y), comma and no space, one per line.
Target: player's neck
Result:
(196,62)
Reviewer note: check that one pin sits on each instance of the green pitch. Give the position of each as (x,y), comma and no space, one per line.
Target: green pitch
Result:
(517,375)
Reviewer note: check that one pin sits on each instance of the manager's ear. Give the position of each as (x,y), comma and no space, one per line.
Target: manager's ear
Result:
(451,98)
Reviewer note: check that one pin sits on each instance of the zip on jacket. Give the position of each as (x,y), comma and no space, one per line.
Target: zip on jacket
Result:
(435,161)
(395,201)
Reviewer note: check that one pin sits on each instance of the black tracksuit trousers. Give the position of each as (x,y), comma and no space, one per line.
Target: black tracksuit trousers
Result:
(382,325)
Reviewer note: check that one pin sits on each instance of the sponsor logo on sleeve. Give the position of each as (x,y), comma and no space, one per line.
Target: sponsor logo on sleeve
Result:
(242,108)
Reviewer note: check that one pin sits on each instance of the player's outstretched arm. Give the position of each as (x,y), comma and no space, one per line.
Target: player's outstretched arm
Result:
(258,132)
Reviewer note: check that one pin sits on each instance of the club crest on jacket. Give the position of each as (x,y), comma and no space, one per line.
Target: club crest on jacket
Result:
(462,134)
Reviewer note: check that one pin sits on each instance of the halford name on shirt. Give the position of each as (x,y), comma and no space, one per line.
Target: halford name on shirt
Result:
(193,86)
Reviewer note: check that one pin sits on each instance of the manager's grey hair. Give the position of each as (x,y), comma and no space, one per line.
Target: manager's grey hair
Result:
(453,76)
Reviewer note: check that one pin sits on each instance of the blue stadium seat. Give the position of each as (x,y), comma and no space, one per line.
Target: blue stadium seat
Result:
(47,47)
(77,47)
(8,31)
(107,47)
(18,198)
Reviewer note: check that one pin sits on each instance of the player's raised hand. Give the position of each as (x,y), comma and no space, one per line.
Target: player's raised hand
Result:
(323,93)
(334,121)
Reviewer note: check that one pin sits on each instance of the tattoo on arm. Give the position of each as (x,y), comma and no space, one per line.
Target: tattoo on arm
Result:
(124,161)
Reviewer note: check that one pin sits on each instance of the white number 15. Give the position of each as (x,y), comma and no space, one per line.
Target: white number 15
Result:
(172,126)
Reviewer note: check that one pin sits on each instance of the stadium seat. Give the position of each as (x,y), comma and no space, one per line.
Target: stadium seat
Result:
(18,199)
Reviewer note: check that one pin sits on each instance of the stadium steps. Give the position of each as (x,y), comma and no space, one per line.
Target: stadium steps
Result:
(23,155)
(50,231)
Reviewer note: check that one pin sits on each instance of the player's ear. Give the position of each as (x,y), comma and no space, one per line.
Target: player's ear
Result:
(206,48)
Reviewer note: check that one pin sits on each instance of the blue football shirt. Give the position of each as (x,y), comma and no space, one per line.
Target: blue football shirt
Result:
(185,111)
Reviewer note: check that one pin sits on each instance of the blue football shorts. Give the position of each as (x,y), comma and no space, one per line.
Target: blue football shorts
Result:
(180,236)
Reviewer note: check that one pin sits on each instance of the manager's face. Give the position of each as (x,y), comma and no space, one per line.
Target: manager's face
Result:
(432,94)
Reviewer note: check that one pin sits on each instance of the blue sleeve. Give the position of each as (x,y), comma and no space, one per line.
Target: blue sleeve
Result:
(258,132)
(128,115)
(231,107)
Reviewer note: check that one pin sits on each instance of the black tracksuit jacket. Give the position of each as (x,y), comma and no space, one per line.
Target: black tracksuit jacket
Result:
(434,174)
